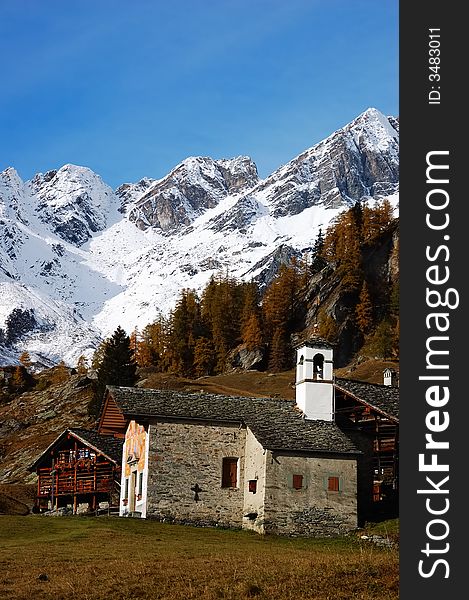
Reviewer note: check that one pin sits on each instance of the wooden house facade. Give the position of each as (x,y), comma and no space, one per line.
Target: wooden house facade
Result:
(370,413)
(79,470)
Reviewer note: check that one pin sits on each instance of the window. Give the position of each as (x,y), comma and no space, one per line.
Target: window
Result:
(140,484)
(252,485)
(229,473)
(297,482)
(126,489)
(333,484)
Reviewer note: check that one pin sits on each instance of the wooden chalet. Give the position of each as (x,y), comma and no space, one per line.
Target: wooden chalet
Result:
(372,410)
(80,469)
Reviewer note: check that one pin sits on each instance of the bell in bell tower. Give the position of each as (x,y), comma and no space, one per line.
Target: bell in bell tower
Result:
(314,379)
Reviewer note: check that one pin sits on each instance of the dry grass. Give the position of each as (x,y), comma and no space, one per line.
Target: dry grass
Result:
(255,383)
(247,383)
(110,558)
(368,370)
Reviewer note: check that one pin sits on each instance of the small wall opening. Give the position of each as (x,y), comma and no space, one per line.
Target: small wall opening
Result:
(297,482)
(318,366)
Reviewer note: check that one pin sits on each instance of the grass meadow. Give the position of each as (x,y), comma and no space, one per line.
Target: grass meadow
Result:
(108,558)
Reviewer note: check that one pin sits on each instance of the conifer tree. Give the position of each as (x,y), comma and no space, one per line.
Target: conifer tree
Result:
(376,220)
(25,359)
(19,380)
(82,365)
(282,312)
(350,253)
(134,339)
(279,300)
(222,310)
(204,357)
(251,330)
(186,327)
(342,245)
(364,310)
(327,326)
(382,341)
(279,351)
(98,355)
(154,345)
(252,333)
(356,214)
(137,347)
(250,301)
(118,366)
(318,244)
(60,373)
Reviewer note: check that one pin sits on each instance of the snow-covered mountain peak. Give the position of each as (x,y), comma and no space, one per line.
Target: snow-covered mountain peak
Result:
(74,202)
(375,128)
(10,174)
(232,175)
(195,185)
(358,161)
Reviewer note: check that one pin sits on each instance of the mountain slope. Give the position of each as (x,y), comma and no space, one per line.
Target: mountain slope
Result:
(99,258)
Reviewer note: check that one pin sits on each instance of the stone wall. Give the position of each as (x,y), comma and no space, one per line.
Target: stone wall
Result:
(311,510)
(185,483)
(185,455)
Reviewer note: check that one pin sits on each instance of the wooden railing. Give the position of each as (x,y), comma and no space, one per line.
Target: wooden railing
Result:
(71,480)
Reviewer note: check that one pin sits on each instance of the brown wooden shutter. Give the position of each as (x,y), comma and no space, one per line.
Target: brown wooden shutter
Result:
(297,482)
(333,484)
(234,472)
(230,472)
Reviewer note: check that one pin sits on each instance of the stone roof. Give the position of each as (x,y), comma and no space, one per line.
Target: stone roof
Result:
(277,424)
(106,444)
(314,342)
(383,398)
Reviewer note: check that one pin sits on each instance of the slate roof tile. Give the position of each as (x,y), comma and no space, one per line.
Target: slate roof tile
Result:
(277,424)
(384,398)
(108,444)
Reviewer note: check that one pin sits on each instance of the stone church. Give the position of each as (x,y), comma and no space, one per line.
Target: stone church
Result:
(310,467)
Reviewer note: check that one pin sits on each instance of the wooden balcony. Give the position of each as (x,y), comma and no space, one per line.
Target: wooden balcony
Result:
(75,478)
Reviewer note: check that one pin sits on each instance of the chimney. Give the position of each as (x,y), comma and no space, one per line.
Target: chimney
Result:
(390,377)
(314,380)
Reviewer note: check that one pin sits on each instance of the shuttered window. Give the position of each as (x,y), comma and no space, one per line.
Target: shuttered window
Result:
(253,485)
(229,473)
(333,484)
(297,482)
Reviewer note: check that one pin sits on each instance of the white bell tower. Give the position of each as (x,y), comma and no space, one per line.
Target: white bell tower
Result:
(314,380)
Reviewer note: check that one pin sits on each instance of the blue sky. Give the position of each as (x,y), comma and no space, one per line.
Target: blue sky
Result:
(130,88)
